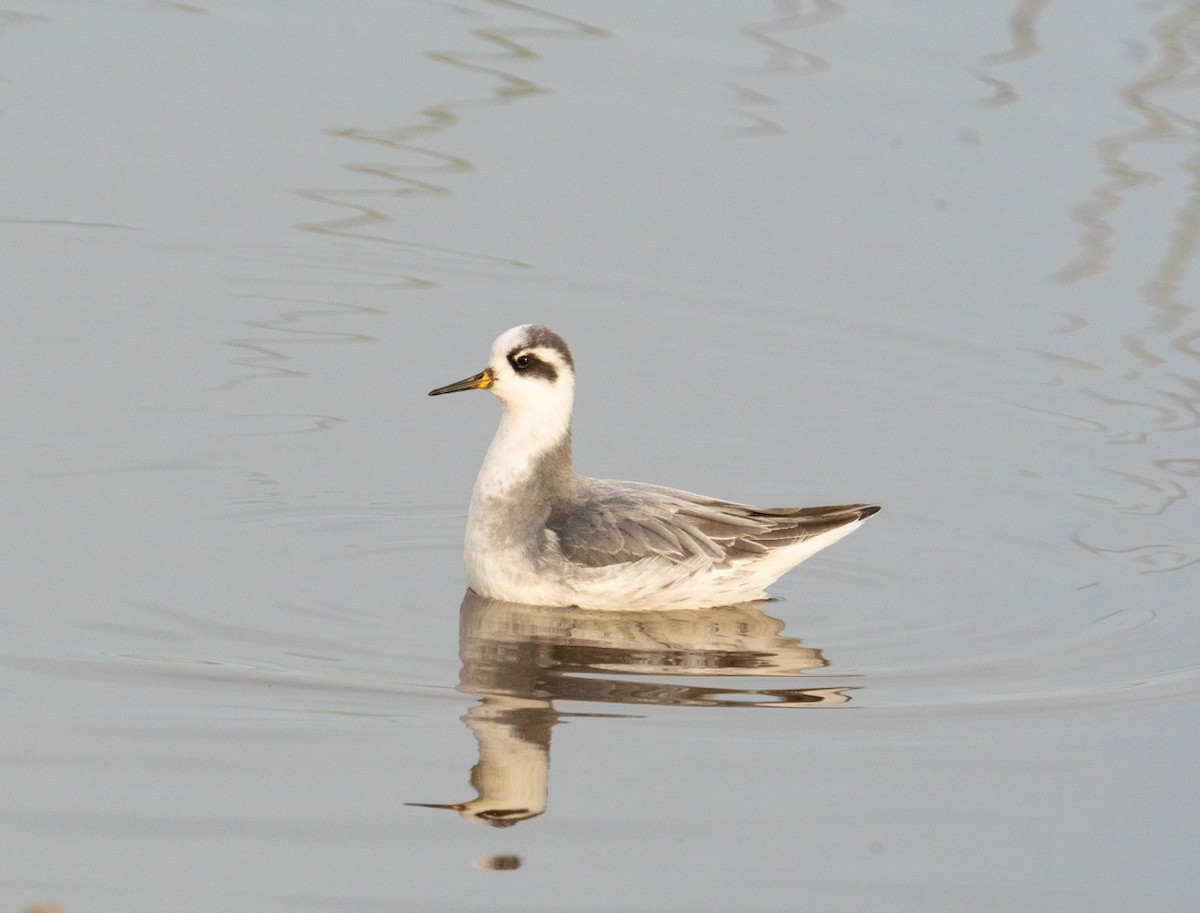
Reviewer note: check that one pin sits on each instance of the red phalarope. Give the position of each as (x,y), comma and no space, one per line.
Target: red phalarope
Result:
(537,533)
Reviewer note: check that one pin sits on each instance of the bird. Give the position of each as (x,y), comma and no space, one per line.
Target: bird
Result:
(537,533)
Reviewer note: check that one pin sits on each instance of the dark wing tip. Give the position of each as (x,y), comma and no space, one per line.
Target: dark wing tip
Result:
(869,510)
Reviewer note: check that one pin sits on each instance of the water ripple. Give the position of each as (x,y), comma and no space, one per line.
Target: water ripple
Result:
(1022,25)
(414,170)
(424,171)
(1176,69)
(292,325)
(782,57)
(1132,379)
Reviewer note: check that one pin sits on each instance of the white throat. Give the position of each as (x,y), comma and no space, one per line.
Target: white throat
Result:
(529,427)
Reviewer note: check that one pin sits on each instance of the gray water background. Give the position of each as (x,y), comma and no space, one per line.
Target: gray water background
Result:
(940,256)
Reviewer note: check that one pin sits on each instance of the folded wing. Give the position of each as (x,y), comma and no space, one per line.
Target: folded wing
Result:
(619,522)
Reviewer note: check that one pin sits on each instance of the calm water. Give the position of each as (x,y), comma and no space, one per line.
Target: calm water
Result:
(942,256)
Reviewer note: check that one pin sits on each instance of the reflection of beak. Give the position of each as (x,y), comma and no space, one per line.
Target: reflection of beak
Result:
(495,817)
(480,381)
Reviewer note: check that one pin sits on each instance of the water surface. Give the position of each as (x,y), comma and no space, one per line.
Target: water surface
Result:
(943,258)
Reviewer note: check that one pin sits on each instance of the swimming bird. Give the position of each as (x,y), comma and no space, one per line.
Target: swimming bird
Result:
(539,534)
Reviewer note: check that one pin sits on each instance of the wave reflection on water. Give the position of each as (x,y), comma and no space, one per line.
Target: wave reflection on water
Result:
(1023,26)
(1174,70)
(413,169)
(419,170)
(781,57)
(1129,375)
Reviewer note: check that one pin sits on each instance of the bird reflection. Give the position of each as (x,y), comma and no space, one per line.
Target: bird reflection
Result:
(520,659)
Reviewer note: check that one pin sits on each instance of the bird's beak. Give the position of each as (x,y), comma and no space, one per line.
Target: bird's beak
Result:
(480,381)
(458,807)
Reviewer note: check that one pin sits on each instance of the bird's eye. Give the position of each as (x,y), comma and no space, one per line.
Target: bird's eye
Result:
(521,362)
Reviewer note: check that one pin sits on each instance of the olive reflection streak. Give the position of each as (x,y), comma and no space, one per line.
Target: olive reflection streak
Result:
(420,174)
(1023,26)
(521,659)
(291,326)
(1174,71)
(1147,385)
(782,57)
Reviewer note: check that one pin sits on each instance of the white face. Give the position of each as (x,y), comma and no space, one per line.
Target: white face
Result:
(531,369)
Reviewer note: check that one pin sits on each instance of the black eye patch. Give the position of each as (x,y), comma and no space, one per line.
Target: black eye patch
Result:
(530,365)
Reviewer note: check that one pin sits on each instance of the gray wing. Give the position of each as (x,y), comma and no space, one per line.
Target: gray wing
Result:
(618,522)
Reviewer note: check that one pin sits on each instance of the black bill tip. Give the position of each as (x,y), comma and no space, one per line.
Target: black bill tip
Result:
(480,381)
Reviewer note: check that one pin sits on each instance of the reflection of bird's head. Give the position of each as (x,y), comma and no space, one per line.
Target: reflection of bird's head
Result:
(478,810)
(511,779)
